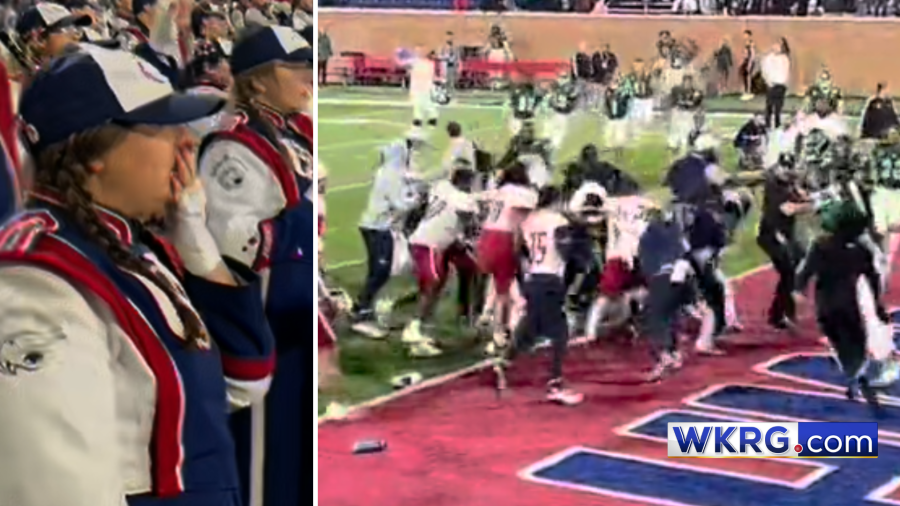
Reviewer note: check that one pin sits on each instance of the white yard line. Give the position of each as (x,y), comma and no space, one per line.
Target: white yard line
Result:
(484,364)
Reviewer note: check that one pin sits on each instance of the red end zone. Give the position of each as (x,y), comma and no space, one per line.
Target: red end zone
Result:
(457,444)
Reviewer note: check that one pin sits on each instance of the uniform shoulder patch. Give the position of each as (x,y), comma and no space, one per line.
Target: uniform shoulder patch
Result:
(22,232)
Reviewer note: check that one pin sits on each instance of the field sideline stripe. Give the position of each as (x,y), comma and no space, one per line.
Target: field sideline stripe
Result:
(484,364)
(457,105)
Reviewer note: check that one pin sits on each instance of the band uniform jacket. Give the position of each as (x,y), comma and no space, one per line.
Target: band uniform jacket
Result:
(103,402)
(259,213)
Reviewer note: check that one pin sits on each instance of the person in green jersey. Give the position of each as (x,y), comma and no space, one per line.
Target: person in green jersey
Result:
(687,102)
(525,98)
(884,175)
(641,81)
(825,90)
(562,100)
(616,105)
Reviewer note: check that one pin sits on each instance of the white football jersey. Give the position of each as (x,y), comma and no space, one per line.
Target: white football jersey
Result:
(505,205)
(460,148)
(628,219)
(832,125)
(538,172)
(441,226)
(421,77)
(539,233)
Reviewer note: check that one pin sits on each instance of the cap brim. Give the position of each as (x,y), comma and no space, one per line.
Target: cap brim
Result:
(73,20)
(300,56)
(176,109)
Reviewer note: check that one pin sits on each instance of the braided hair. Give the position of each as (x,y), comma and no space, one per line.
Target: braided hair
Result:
(63,169)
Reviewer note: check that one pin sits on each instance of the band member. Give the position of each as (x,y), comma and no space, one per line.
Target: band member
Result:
(153,24)
(257,175)
(209,73)
(450,214)
(46,29)
(10,184)
(106,307)
(508,206)
(687,102)
(748,65)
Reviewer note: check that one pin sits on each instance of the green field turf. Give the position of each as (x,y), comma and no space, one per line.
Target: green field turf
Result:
(353,125)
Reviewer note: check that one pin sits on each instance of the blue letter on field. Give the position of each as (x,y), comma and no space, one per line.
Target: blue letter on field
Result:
(685,442)
(783,447)
(746,432)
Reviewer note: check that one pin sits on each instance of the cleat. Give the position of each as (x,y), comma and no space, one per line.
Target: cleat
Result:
(369,329)
(424,349)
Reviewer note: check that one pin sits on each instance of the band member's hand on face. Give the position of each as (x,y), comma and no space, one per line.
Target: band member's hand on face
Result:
(187,189)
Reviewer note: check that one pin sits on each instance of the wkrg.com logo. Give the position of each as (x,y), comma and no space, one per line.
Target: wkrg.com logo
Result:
(786,439)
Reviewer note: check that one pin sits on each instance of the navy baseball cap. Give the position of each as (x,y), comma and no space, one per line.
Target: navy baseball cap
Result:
(47,16)
(96,86)
(261,45)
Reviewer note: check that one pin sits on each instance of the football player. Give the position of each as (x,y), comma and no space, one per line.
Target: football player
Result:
(562,100)
(450,214)
(551,243)
(687,102)
(627,218)
(534,153)
(508,206)
(524,100)
(421,88)
(617,103)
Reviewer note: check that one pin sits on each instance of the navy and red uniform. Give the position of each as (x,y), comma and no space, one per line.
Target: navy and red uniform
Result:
(256,179)
(122,347)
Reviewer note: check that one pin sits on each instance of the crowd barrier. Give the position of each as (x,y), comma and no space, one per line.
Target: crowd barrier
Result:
(858,51)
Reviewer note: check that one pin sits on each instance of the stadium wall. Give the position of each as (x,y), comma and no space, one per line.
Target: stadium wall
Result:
(858,51)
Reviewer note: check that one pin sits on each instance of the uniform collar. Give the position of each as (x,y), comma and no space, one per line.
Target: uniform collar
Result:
(278,119)
(125,229)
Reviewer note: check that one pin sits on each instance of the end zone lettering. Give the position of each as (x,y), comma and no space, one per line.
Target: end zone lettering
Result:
(783,439)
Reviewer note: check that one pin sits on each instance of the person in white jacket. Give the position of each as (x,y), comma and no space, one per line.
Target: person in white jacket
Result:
(120,352)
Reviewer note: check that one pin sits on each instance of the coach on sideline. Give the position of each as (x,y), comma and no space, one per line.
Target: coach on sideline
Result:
(776,70)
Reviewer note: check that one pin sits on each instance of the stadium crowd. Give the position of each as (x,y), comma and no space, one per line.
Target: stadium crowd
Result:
(156,252)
